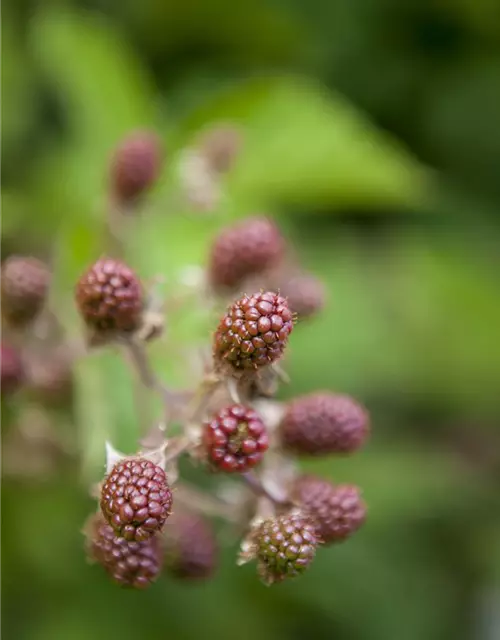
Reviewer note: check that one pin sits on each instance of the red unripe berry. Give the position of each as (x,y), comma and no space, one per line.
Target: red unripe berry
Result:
(25,284)
(12,370)
(305,294)
(110,298)
(285,546)
(128,563)
(253,333)
(322,423)
(136,499)
(190,546)
(337,510)
(235,440)
(247,248)
(51,378)
(136,165)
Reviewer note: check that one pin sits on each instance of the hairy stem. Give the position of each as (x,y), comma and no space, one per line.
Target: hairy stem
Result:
(255,484)
(191,497)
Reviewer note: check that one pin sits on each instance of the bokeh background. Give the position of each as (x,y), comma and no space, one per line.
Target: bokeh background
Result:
(372,134)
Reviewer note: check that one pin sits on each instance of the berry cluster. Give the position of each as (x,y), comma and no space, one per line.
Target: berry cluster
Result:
(148,519)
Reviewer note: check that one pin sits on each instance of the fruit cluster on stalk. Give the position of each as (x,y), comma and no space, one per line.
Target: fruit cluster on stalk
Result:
(147,518)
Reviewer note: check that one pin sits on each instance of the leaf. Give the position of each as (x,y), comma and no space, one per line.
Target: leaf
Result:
(307,146)
(105,89)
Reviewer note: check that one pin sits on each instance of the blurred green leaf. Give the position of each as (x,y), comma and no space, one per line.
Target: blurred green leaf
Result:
(307,146)
(106,92)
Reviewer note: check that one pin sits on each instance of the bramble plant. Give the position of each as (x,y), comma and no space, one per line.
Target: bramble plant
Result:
(147,518)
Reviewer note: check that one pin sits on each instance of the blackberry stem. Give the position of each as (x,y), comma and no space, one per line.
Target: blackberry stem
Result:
(255,484)
(204,503)
(149,379)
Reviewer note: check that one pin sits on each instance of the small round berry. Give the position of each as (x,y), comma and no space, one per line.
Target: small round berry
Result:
(245,249)
(12,370)
(136,499)
(190,546)
(285,546)
(51,379)
(235,440)
(338,511)
(128,563)
(305,294)
(136,165)
(25,283)
(253,333)
(322,423)
(109,297)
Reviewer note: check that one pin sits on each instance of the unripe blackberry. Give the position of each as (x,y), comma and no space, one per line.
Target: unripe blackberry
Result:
(338,511)
(285,546)
(190,546)
(322,423)
(305,294)
(25,283)
(12,370)
(135,165)
(235,439)
(109,297)
(136,499)
(51,379)
(129,563)
(253,333)
(245,249)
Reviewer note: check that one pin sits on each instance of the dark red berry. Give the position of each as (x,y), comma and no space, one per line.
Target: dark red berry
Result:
(109,297)
(128,563)
(136,499)
(235,440)
(51,379)
(25,284)
(12,370)
(245,249)
(136,165)
(285,546)
(322,423)
(253,333)
(305,294)
(338,511)
(190,546)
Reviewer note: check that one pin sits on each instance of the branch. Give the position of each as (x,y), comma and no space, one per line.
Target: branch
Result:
(255,484)
(204,503)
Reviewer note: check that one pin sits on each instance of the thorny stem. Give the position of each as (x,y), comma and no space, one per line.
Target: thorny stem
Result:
(259,489)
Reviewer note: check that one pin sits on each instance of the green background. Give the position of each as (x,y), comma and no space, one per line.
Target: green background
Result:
(372,135)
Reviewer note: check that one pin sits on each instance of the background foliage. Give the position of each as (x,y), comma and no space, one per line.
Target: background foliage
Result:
(372,135)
